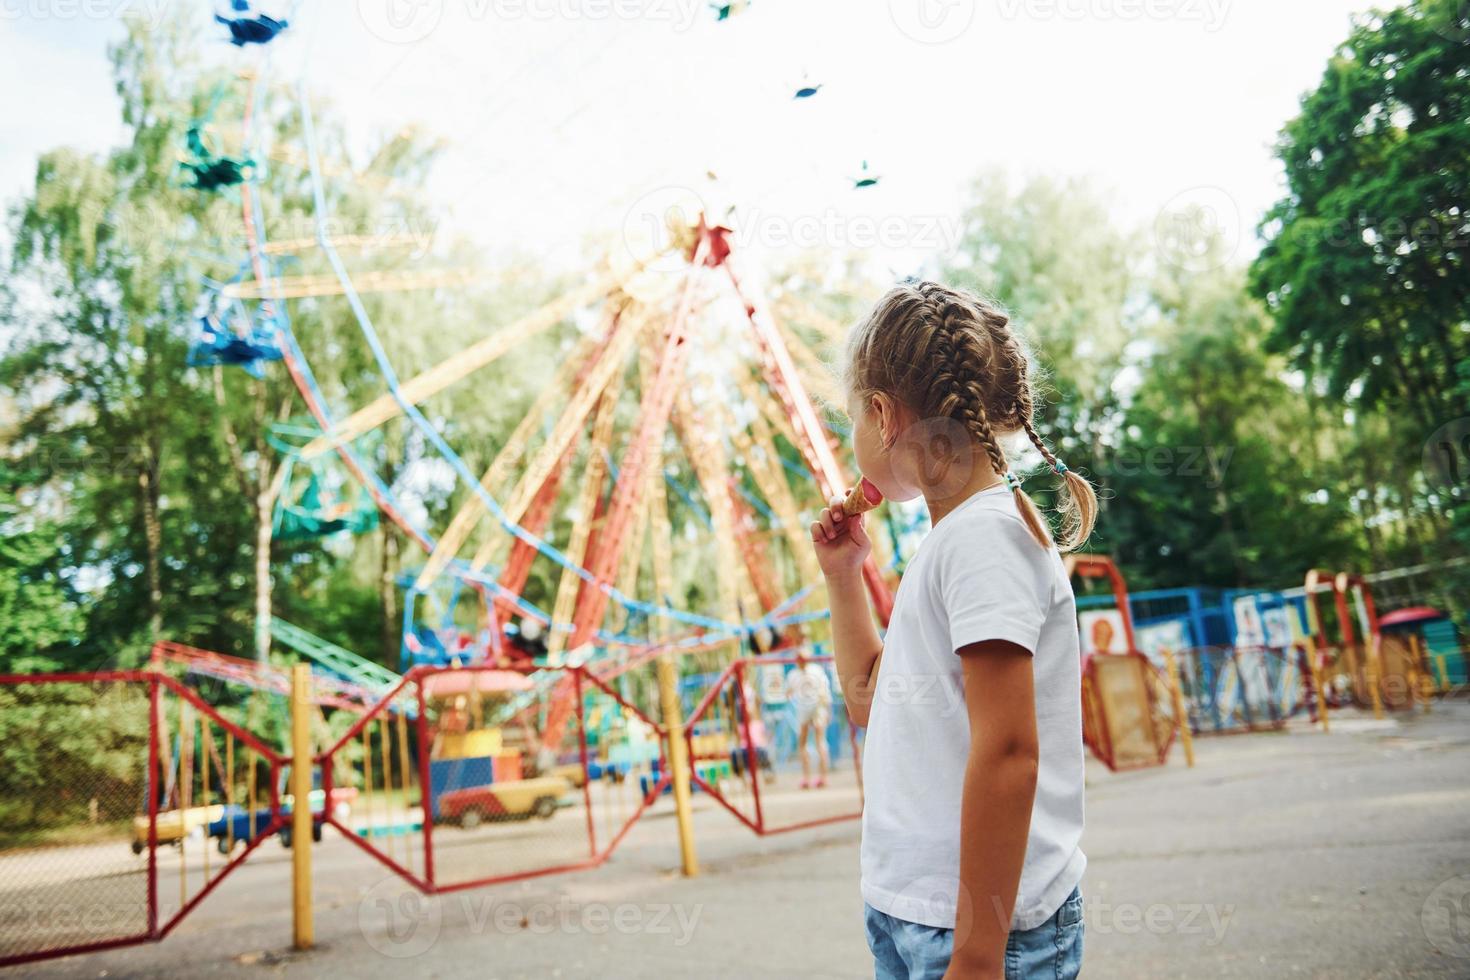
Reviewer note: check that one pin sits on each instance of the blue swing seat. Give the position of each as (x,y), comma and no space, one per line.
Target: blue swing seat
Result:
(218,344)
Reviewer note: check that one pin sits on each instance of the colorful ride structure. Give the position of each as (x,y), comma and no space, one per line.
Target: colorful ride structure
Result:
(1129,713)
(1355,662)
(680,376)
(1251,659)
(672,373)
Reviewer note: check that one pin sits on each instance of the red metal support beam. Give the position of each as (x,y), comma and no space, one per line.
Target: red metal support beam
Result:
(750,549)
(658,402)
(522,555)
(814,442)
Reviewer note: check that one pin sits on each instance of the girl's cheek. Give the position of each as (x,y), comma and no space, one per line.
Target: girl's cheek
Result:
(890,482)
(877,466)
(868,450)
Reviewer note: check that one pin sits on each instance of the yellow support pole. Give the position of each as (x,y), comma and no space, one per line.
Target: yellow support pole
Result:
(668,689)
(186,794)
(1372,667)
(206,744)
(367,779)
(1181,716)
(1316,670)
(386,747)
(1423,684)
(251,798)
(303,931)
(403,764)
(230,789)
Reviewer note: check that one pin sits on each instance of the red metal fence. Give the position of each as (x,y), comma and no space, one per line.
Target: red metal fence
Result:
(125,796)
(137,797)
(470,776)
(759,709)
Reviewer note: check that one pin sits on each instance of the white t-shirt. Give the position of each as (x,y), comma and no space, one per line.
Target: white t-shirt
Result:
(979,575)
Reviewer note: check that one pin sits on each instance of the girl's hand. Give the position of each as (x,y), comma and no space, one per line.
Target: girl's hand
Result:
(842,543)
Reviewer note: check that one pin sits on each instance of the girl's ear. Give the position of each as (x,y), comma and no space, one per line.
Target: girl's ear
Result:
(885,414)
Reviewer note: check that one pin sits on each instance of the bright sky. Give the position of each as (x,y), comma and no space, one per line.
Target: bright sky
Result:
(568,119)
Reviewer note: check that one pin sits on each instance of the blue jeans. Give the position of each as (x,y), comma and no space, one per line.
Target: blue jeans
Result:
(908,951)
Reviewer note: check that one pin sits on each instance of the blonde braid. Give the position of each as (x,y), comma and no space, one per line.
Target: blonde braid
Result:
(1078,502)
(965,399)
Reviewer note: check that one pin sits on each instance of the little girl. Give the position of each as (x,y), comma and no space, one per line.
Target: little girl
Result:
(972,767)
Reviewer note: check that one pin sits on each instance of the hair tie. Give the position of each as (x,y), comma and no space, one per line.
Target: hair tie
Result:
(1012,480)
(1060,467)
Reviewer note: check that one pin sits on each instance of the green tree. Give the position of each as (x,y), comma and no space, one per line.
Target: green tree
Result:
(1050,252)
(96,353)
(37,605)
(1365,265)
(1366,261)
(164,470)
(1219,475)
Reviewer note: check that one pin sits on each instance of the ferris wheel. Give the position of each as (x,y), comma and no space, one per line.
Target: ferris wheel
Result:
(662,478)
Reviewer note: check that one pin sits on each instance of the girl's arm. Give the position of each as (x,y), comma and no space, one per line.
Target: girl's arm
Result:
(995,814)
(842,545)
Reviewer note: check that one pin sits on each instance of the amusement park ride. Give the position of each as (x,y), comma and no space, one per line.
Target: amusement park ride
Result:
(661,481)
(673,374)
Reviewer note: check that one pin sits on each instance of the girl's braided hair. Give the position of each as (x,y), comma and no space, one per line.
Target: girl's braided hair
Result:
(945,353)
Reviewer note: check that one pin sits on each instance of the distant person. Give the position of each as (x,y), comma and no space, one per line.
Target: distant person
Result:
(810,692)
(972,767)
(454,720)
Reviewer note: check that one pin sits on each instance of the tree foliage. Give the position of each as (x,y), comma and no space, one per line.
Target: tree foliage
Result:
(1366,261)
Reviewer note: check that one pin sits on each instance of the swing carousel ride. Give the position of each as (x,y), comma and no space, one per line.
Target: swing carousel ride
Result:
(662,480)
